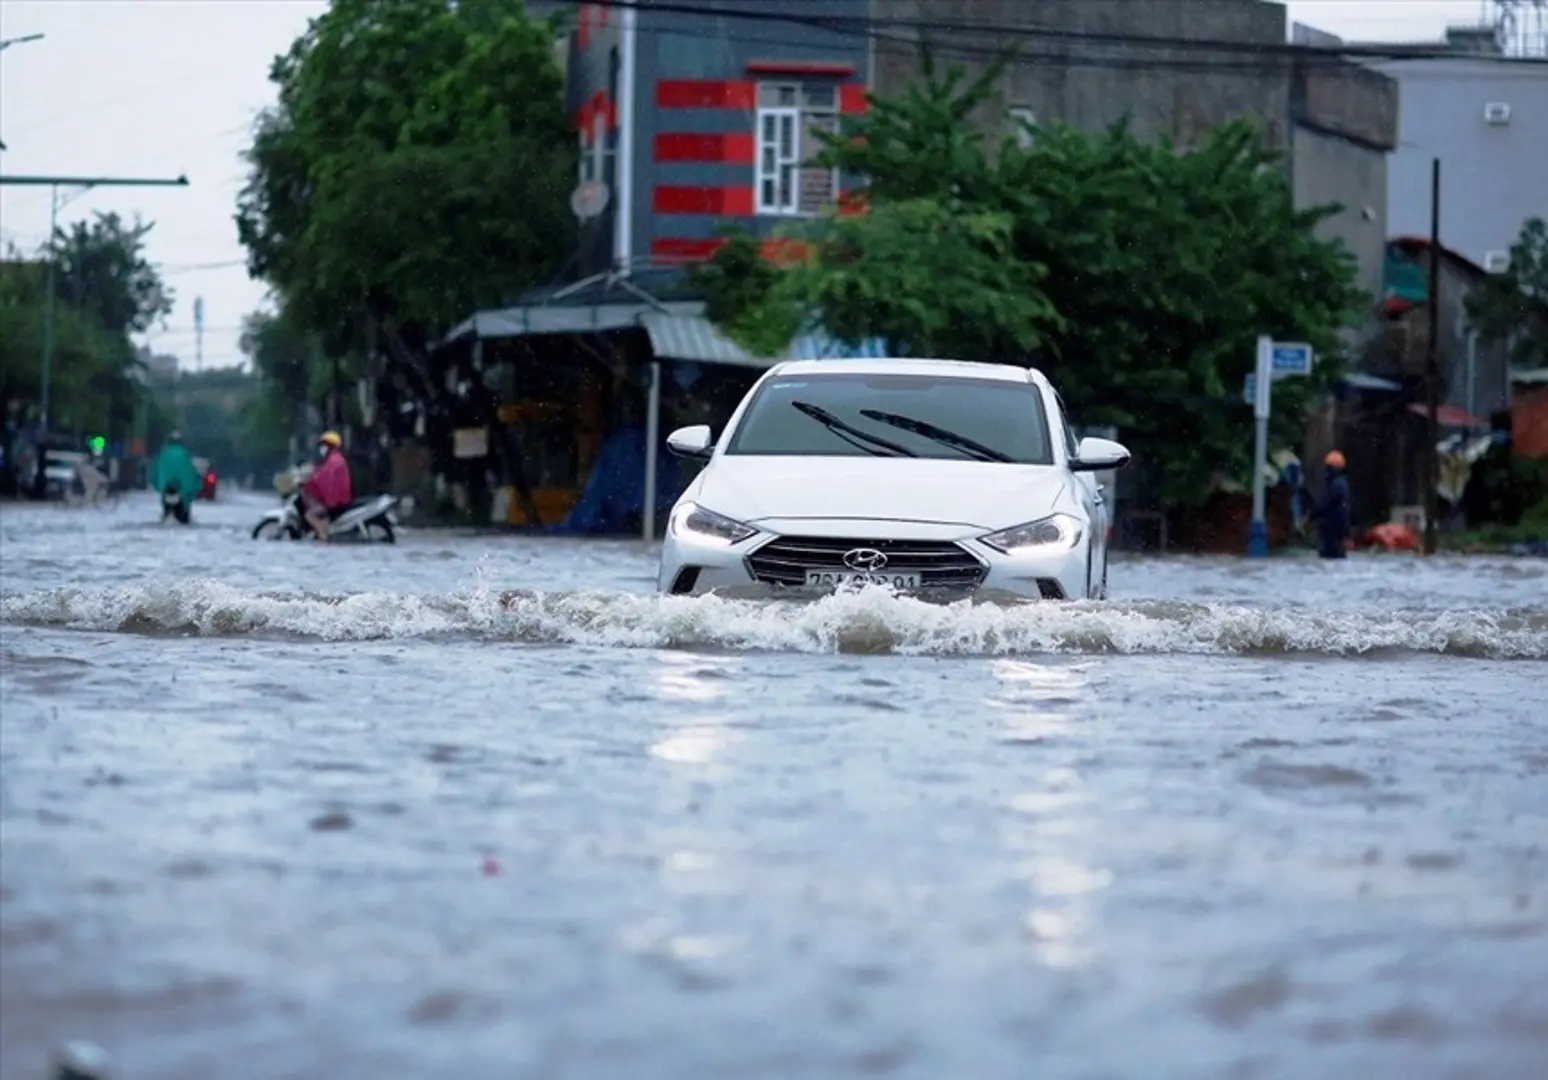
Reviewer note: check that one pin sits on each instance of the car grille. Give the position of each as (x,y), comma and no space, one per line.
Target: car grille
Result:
(939,563)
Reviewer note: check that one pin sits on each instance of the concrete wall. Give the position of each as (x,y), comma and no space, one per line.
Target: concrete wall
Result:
(1329,169)
(1345,118)
(1093,84)
(1492,177)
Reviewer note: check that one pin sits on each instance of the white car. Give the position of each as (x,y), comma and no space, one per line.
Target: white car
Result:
(928,476)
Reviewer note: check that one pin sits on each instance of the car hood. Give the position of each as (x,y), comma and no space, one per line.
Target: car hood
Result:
(968,493)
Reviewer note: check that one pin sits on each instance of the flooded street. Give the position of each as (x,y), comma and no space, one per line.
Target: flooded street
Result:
(283,810)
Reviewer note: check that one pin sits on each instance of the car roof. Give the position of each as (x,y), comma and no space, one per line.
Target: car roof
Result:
(946,369)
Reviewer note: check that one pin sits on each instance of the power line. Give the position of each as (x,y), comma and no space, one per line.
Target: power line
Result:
(195,268)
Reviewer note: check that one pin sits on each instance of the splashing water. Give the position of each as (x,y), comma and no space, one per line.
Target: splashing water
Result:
(867,621)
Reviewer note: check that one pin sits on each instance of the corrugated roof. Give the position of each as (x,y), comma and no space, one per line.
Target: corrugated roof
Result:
(695,338)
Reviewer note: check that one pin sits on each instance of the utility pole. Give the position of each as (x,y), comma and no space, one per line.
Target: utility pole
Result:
(1432,367)
(54,183)
(198,333)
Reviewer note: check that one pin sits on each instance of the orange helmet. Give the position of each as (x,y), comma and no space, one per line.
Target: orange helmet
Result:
(1334,460)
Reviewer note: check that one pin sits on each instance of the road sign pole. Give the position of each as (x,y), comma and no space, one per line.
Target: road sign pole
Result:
(1257,531)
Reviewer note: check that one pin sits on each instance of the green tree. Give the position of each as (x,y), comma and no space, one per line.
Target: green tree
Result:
(415,168)
(288,362)
(1513,306)
(101,269)
(224,414)
(105,289)
(85,358)
(1137,276)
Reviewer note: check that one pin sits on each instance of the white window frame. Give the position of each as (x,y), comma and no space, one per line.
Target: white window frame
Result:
(772,162)
(786,201)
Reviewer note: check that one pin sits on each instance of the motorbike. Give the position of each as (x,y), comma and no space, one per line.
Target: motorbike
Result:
(371,518)
(172,504)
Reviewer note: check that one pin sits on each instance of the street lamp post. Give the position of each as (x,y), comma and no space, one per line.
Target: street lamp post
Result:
(8,42)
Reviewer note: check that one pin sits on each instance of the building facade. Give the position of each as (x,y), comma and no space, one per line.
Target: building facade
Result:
(1081,62)
(689,123)
(1487,122)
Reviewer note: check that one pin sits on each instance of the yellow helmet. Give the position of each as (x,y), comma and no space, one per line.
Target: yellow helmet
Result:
(331,438)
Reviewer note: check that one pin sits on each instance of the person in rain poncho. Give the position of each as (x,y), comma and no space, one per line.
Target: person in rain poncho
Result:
(174,470)
(1332,513)
(327,491)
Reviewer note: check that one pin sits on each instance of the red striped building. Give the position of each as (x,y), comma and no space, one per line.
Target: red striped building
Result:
(692,122)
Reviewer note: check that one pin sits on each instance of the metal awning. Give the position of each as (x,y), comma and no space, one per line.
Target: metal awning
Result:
(1450,416)
(565,319)
(695,338)
(1356,381)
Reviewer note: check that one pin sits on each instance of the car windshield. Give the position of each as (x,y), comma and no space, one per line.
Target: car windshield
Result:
(922,416)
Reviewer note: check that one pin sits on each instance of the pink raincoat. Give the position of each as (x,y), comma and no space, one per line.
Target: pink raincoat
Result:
(329,484)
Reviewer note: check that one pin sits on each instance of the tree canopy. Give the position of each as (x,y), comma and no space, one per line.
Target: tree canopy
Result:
(1513,306)
(105,289)
(416,167)
(1136,275)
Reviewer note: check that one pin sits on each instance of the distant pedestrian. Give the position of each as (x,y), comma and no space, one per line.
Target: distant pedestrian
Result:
(1332,513)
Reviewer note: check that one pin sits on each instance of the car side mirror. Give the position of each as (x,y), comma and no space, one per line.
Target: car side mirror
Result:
(691,442)
(1099,455)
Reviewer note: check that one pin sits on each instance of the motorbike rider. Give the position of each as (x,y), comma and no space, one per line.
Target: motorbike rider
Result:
(174,474)
(327,491)
(1332,513)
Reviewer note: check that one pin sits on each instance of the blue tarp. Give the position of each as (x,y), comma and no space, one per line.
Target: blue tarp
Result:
(819,346)
(616,488)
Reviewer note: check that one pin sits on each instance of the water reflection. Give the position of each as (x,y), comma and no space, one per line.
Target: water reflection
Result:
(693,680)
(1037,703)
(698,744)
(1061,937)
(1031,698)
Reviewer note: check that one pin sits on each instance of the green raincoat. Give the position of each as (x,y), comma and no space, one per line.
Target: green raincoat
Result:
(174,463)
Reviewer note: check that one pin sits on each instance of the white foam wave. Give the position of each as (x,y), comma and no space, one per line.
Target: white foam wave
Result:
(864,622)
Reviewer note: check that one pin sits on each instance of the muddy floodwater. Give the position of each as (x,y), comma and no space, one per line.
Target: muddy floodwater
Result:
(281,810)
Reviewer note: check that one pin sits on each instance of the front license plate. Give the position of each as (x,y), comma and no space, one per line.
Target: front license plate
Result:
(838,578)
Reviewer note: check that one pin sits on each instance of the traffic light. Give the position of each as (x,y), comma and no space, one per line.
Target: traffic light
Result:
(97,444)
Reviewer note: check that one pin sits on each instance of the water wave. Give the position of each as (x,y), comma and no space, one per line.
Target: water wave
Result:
(864,622)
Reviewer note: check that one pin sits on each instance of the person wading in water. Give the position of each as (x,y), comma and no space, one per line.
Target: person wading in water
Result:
(1332,512)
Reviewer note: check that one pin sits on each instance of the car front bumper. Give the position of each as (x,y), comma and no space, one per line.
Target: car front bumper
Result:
(691,567)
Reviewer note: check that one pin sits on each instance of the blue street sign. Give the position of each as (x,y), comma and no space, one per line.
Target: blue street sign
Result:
(1291,358)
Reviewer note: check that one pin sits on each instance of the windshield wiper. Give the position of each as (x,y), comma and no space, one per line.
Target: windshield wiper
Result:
(871,444)
(937,434)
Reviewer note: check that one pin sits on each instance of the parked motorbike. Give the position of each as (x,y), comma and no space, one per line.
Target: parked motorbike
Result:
(371,518)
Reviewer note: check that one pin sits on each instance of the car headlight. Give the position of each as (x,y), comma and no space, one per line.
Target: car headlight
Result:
(706,526)
(1058,531)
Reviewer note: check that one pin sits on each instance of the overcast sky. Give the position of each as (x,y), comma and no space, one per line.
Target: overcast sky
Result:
(158,88)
